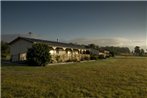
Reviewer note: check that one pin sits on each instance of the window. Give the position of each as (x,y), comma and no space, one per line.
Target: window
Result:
(23,56)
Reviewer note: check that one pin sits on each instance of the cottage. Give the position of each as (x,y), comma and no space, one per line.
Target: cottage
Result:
(60,52)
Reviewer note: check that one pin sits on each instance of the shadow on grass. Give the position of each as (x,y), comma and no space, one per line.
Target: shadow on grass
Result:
(6,64)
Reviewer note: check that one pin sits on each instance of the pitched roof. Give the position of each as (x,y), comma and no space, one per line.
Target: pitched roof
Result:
(52,43)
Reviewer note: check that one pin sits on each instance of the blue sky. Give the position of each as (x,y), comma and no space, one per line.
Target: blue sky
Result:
(75,21)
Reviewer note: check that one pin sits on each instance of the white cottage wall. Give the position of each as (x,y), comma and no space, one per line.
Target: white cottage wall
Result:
(19,47)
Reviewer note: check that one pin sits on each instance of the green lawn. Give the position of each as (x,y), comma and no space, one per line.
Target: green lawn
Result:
(119,77)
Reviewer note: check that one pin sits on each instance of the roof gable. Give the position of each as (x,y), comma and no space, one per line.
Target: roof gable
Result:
(18,38)
(52,43)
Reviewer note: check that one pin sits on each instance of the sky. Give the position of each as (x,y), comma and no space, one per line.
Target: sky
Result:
(102,23)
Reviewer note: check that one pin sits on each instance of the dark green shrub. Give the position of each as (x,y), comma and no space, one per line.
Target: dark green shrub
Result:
(74,60)
(112,54)
(93,57)
(58,58)
(38,55)
(86,58)
(5,51)
(82,59)
(69,60)
(102,57)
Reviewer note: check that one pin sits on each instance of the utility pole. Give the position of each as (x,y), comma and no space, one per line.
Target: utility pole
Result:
(58,35)
(57,39)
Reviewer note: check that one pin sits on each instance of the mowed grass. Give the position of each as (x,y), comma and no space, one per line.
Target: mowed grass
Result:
(119,77)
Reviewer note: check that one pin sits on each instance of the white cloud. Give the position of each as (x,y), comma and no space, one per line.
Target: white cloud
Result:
(122,42)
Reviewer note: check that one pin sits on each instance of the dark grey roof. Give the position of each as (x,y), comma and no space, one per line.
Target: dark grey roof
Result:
(52,43)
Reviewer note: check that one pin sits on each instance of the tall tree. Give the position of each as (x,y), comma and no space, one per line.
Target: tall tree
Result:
(137,50)
(141,52)
(38,54)
(93,46)
(5,50)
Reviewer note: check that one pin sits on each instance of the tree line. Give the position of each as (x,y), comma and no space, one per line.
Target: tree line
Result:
(113,49)
(138,51)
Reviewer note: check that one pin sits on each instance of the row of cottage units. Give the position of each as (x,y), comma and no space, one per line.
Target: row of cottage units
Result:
(60,52)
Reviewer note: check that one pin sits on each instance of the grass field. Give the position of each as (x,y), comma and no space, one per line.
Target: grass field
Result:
(119,77)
